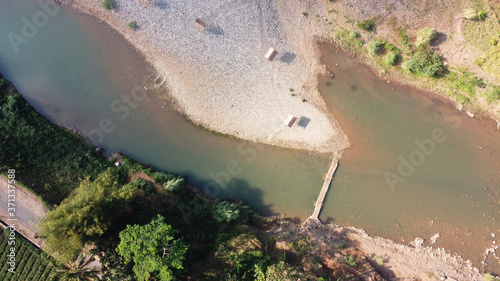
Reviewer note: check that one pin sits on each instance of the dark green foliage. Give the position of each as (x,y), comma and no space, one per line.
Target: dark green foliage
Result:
(424,63)
(143,185)
(226,211)
(367,25)
(153,250)
(85,215)
(49,160)
(108,4)
(113,266)
(31,262)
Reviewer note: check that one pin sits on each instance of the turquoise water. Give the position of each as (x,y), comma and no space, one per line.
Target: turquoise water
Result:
(79,73)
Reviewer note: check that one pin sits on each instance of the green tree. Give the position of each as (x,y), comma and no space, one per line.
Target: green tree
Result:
(78,270)
(226,211)
(85,215)
(153,249)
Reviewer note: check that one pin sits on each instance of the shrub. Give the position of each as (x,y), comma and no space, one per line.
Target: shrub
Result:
(174,184)
(391,58)
(366,25)
(354,34)
(132,25)
(493,42)
(107,4)
(144,185)
(374,47)
(424,63)
(481,15)
(425,35)
(305,14)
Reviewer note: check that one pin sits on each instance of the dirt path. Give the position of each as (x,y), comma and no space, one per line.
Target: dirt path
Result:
(28,210)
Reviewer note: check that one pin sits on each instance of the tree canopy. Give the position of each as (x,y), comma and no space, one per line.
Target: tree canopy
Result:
(85,215)
(153,249)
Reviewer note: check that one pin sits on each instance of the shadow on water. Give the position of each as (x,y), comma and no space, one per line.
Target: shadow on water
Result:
(236,188)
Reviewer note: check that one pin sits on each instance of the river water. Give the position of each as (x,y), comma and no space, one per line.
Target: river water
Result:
(81,74)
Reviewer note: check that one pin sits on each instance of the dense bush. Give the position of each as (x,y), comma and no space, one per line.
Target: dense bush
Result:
(49,160)
(424,63)
(85,215)
(366,25)
(391,58)
(374,47)
(425,35)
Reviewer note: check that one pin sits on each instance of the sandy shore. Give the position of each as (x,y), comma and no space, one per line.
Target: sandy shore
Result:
(220,78)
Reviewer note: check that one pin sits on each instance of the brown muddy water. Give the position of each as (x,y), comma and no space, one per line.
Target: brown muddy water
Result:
(79,73)
(416,167)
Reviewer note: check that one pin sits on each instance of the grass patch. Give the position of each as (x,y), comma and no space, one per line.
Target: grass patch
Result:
(480,33)
(464,82)
(490,61)
(493,94)
(349,40)
(49,160)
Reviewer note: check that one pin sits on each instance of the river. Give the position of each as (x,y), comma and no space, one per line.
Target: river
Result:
(79,73)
